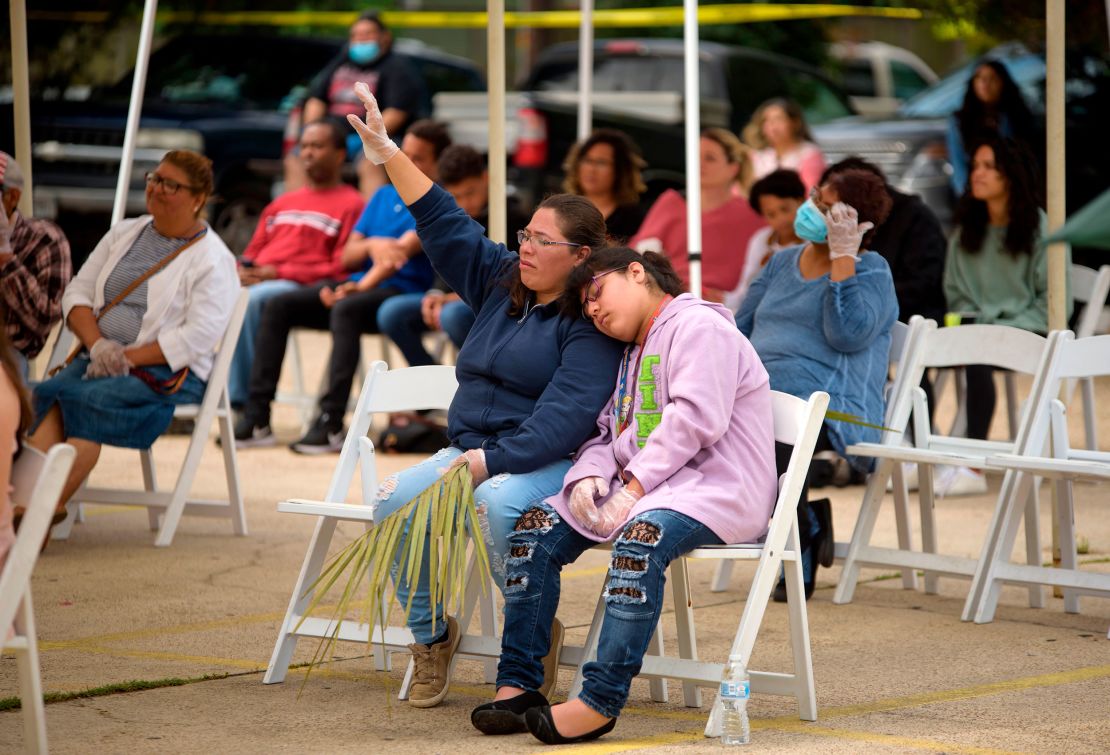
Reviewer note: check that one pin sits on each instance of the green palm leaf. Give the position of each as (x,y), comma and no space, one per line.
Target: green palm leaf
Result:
(439,520)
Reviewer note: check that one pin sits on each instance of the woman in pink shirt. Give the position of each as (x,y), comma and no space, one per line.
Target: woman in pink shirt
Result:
(727,220)
(781,139)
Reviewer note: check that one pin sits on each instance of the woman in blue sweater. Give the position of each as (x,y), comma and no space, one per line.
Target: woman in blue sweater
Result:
(819,316)
(531,380)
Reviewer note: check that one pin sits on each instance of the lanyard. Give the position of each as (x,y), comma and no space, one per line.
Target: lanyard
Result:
(623,407)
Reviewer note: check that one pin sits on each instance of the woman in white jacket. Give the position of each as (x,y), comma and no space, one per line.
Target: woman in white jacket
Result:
(149,307)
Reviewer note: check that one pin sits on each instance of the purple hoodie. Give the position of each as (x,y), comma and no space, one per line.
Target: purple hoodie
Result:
(702,439)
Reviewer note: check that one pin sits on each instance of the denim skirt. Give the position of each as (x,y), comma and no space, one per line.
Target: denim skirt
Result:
(117,411)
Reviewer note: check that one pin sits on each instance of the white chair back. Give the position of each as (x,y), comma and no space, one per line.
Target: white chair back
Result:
(1090,288)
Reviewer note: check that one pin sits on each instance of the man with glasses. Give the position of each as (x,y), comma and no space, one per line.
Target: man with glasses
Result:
(299,239)
(35,267)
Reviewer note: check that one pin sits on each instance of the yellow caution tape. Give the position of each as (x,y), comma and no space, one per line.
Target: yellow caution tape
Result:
(570,19)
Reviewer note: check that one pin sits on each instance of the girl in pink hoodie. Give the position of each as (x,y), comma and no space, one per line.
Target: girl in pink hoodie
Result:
(684,456)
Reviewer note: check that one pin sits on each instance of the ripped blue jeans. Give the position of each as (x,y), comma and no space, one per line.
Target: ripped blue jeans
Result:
(540,545)
(499,501)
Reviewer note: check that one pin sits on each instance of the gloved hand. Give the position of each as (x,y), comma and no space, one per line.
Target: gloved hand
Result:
(614,512)
(108,360)
(845,231)
(475,458)
(582,500)
(375,141)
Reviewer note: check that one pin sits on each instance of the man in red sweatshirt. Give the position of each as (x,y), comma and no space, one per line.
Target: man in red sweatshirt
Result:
(299,240)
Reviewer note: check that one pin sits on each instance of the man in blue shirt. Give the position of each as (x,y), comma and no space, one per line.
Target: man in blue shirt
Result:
(385,245)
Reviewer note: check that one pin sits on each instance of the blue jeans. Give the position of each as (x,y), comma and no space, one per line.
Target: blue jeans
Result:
(541,544)
(401,320)
(240,376)
(499,500)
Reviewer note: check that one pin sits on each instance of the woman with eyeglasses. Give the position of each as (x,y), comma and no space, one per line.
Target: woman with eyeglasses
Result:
(605,169)
(678,461)
(819,315)
(148,307)
(531,379)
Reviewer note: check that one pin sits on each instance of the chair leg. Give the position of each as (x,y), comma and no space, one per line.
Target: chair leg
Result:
(1033,541)
(150,484)
(589,649)
(861,535)
(1069,559)
(30,680)
(721,577)
(172,516)
(927,502)
(983,600)
(658,686)
(684,626)
(804,689)
(236,509)
(310,570)
(902,522)
(1090,424)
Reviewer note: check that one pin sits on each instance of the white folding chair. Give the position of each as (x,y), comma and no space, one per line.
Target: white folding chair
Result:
(408,389)
(798,423)
(165,507)
(1090,288)
(37,481)
(1077,359)
(995,345)
(904,339)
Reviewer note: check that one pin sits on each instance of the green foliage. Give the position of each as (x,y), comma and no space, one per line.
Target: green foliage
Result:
(119,688)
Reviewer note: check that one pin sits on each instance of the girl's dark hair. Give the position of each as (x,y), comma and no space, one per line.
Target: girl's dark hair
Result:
(7,363)
(976,120)
(782,183)
(1016,164)
(866,192)
(658,268)
(579,221)
(628,184)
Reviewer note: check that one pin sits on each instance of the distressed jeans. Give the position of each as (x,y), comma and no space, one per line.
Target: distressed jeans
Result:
(541,544)
(499,501)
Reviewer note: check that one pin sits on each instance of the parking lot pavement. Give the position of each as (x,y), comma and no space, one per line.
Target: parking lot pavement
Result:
(896,670)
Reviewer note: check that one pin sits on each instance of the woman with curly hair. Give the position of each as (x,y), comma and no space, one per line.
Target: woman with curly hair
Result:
(997,267)
(605,169)
(992,105)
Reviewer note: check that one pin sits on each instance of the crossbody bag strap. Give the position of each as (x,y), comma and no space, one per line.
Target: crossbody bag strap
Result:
(151,271)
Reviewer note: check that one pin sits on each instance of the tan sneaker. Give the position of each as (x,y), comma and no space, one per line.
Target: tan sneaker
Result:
(551,660)
(432,668)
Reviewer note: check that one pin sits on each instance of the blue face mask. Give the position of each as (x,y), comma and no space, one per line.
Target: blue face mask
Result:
(363,52)
(809,223)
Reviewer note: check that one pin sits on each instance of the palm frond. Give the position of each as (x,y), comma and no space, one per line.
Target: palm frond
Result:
(438,522)
(852,419)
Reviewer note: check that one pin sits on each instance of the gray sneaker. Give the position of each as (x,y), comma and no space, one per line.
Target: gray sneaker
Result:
(431,674)
(324,437)
(248,434)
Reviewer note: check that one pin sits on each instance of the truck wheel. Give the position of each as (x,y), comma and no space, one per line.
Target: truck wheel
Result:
(237,215)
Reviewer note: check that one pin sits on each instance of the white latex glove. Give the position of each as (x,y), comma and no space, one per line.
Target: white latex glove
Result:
(5,233)
(845,231)
(375,141)
(108,360)
(582,500)
(614,512)
(475,458)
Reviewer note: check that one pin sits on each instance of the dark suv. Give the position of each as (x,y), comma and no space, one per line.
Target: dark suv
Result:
(226,95)
(733,82)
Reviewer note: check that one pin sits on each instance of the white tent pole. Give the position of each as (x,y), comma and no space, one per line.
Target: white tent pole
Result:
(586,70)
(134,110)
(495,44)
(693,143)
(21,92)
(1055,153)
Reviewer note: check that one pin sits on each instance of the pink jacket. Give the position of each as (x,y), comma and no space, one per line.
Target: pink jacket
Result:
(701,441)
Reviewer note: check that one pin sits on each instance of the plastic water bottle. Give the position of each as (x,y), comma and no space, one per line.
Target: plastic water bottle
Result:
(735,690)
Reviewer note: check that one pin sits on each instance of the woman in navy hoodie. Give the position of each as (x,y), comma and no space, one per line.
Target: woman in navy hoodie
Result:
(531,380)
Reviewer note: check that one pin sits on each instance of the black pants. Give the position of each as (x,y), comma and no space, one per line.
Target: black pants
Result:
(807,524)
(347,321)
(981,398)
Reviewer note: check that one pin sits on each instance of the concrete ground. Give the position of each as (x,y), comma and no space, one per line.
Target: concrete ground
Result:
(896,670)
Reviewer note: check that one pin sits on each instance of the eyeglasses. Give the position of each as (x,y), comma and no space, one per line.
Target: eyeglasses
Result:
(167,185)
(542,243)
(593,289)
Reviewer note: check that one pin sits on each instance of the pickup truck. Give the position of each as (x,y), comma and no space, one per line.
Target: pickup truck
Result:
(638,88)
(226,95)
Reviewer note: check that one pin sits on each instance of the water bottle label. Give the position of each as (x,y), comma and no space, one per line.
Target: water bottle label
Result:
(736,689)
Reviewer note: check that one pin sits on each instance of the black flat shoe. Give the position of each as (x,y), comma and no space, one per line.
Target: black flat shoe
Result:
(506,716)
(824,548)
(543,728)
